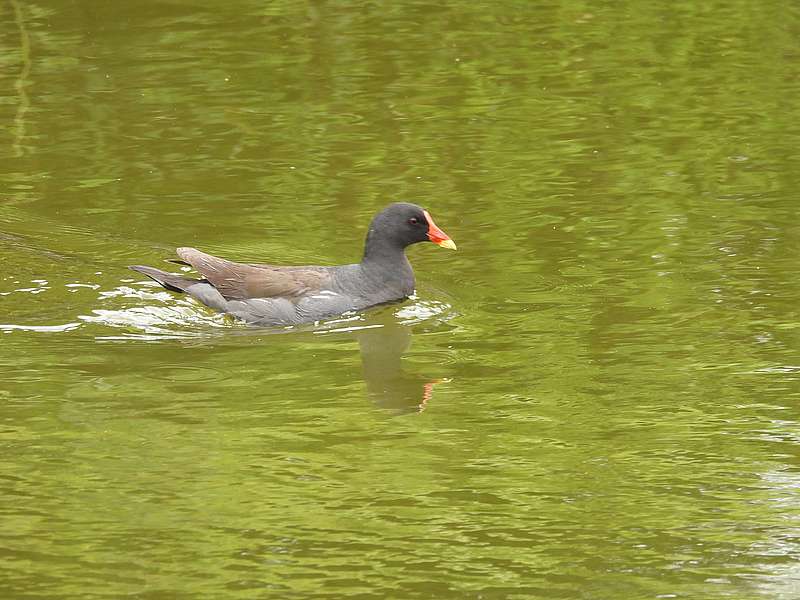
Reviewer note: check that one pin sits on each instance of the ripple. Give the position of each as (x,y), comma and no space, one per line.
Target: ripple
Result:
(777,369)
(419,311)
(151,314)
(413,312)
(188,374)
(40,328)
(157,315)
(157,322)
(40,285)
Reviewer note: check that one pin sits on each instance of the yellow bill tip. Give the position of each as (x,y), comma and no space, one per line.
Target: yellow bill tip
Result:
(449,244)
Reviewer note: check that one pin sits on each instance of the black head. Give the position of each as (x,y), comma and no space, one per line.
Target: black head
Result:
(402,224)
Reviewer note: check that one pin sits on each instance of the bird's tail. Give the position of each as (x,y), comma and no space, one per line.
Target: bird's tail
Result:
(171,281)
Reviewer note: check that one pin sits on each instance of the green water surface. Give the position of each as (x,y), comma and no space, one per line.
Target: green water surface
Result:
(596,397)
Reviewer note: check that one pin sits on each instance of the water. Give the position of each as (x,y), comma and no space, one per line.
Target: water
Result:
(595,397)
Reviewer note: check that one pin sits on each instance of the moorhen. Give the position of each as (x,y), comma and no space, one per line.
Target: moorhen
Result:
(271,295)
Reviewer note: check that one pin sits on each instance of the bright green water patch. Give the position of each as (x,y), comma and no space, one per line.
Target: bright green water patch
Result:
(595,397)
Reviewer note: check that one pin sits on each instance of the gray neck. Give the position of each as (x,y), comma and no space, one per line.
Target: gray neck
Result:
(387,270)
(384,267)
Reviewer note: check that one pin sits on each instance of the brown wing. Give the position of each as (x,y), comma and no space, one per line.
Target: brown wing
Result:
(237,281)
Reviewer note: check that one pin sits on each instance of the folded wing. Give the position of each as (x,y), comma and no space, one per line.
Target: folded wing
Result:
(238,281)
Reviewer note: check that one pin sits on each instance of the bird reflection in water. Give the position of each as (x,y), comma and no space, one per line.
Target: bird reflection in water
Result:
(388,384)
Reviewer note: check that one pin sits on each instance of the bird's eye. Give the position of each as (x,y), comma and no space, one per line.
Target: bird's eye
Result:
(413,220)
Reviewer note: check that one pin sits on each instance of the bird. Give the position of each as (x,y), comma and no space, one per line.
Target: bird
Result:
(270,295)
